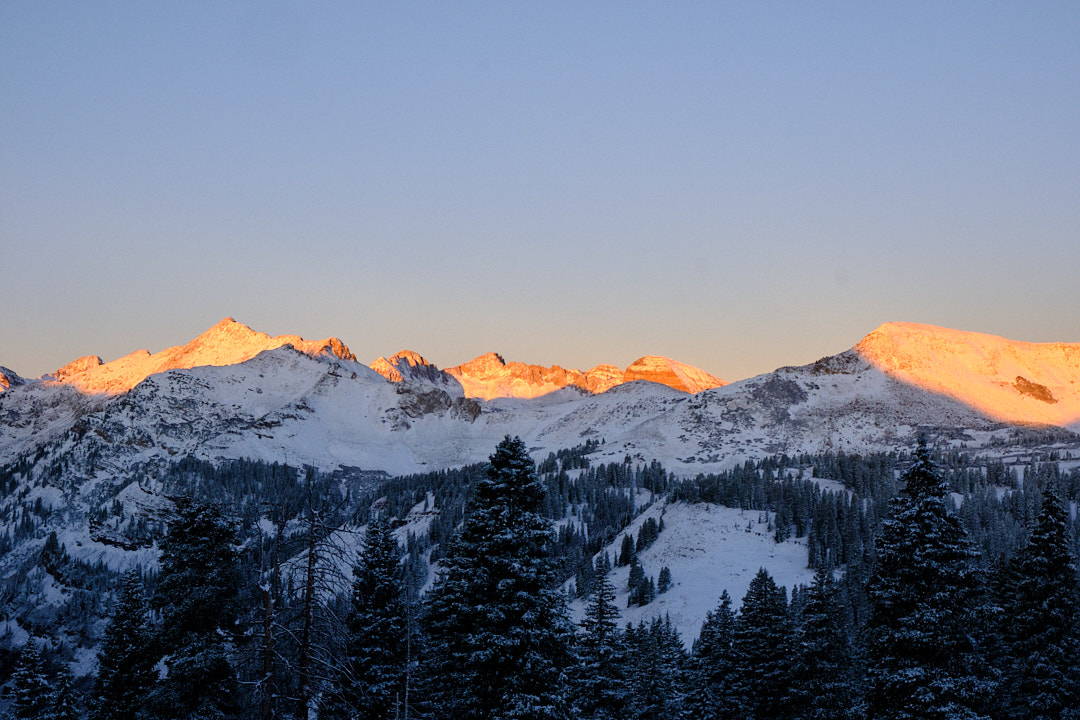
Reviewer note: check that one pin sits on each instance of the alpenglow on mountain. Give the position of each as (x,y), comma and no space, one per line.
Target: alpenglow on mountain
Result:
(234,392)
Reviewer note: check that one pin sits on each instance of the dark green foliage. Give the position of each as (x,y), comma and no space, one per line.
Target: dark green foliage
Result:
(598,676)
(1042,637)
(823,684)
(196,596)
(763,649)
(126,661)
(497,630)
(928,653)
(30,688)
(372,684)
(656,670)
(663,583)
(710,687)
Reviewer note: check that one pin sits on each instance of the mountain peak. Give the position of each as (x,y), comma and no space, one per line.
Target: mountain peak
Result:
(1009,380)
(404,363)
(490,376)
(227,342)
(664,370)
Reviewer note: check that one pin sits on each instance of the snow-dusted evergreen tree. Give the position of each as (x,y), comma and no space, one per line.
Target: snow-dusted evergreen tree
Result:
(598,676)
(823,684)
(196,596)
(30,688)
(762,646)
(928,655)
(657,670)
(126,662)
(1042,673)
(63,701)
(372,684)
(498,633)
(710,678)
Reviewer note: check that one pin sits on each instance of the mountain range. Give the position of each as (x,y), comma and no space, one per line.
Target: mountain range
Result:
(234,392)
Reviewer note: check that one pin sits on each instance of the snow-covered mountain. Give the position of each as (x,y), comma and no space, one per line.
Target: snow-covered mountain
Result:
(233,392)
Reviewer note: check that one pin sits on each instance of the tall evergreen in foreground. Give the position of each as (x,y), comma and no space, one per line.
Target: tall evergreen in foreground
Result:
(711,675)
(823,682)
(1042,673)
(497,628)
(125,663)
(598,678)
(762,645)
(928,657)
(656,670)
(373,683)
(30,689)
(196,596)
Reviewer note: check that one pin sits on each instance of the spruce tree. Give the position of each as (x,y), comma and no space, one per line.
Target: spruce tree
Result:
(196,596)
(30,689)
(125,663)
(63,702)
(657,667)
(762,646)
(927,646)
(598,677)
(498,634)
(823,683)
(372,684)
(1042,672)
(711,674)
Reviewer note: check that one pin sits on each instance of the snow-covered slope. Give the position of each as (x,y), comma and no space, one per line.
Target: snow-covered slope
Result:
(1006,379)
(226,343)
(316,404)
(709,549)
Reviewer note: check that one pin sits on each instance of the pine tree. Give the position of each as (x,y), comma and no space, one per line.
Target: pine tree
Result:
(823,684)
(928,655)
(598,677)
(196,596)
(637,584)
(497,628)
(657,667)
(30,690)
(762,645)
(710,679)
(372,686)
(125,663)
(663,584)
(1041,631)
(626,551)
(63,702)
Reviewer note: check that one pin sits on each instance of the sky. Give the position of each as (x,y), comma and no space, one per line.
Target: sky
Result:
(737,185)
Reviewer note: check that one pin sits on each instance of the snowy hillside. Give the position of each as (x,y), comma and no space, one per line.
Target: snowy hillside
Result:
(709,549)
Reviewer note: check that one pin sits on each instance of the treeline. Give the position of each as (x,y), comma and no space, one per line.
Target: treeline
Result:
(947,632)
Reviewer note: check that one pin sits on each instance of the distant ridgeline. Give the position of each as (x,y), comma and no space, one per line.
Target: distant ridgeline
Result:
(61,565)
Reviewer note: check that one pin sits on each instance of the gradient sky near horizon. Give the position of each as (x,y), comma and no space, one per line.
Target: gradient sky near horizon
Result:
(736,185)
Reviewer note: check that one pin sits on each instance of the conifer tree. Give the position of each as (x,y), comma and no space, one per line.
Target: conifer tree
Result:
(372,685)
(196,596)
(657,667)
(30,690)
(1042,673)
(927,646)
(663,584)
(598,678)
(125,663)
(762,645)
(823,683)
(498,634)
(711,675)
(63,702)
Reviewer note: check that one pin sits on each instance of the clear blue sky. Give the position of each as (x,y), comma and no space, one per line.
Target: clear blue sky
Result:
(738,185)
